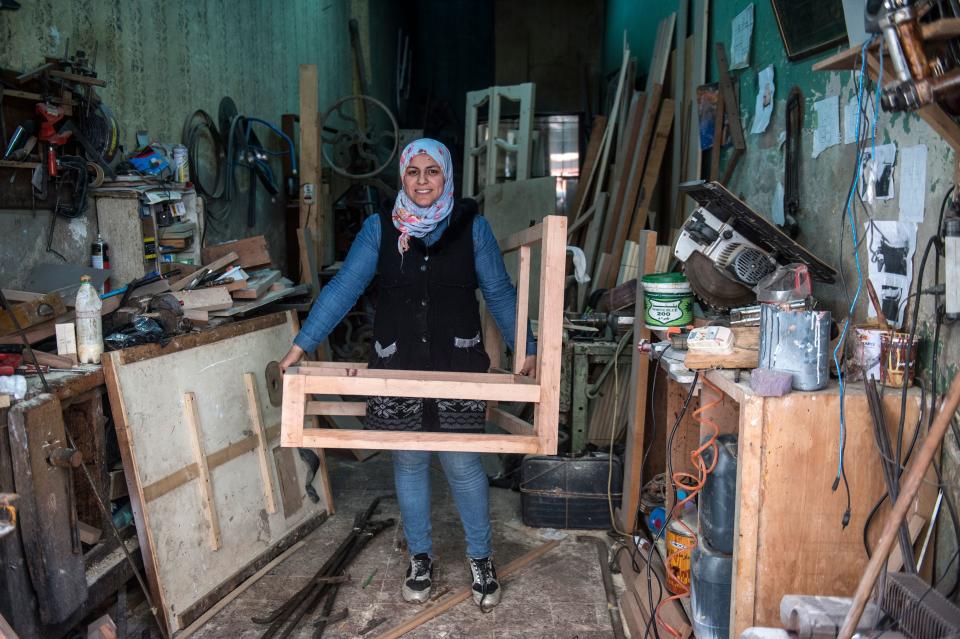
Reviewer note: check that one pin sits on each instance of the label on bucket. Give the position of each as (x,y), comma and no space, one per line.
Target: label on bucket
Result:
(672,311)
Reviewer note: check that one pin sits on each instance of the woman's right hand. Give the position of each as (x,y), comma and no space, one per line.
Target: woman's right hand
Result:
(294,355)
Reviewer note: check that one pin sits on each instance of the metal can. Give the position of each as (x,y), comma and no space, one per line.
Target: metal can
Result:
(680,543)
(180,166)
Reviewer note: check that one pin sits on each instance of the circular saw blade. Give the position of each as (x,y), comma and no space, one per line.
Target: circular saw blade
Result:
(713,287)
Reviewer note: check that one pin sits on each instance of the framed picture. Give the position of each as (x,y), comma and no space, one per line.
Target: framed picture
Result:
(809,26)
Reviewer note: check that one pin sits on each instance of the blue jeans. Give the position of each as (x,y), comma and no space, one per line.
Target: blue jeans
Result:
(468,483)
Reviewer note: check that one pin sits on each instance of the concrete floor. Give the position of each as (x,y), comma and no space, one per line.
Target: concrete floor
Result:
(559,595)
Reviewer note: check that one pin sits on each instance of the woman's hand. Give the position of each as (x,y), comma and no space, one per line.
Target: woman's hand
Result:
(529,366)
(294,355)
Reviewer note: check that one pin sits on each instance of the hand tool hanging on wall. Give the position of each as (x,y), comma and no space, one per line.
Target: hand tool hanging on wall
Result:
(791,168)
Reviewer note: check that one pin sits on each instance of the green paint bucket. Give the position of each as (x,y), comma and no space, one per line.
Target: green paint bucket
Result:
(667,300)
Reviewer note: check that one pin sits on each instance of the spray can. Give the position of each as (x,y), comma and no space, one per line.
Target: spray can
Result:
(180,171)
(100,258)
(89,326)
(680,543)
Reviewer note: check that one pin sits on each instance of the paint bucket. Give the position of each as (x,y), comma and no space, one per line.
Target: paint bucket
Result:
(796,342)
(680,543)
(895,352)
(865,360)
(667,300)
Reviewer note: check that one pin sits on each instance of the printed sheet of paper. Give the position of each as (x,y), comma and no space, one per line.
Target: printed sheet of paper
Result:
(742,28)
(850,122)
(826,127)
(764,107)
(913,183)
(876,176)
(890,248)
(776,208)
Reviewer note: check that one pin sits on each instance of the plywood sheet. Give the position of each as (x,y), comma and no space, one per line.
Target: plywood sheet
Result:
(147,389)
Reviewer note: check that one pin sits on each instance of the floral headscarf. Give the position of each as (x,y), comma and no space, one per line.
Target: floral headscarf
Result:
(410,219)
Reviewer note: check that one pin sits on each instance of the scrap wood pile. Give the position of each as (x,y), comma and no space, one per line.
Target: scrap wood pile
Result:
(236,278)
(638,153)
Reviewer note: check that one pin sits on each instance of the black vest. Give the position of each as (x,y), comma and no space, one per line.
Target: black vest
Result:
(427,315)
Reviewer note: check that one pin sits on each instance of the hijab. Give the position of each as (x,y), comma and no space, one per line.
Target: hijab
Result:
(410,219)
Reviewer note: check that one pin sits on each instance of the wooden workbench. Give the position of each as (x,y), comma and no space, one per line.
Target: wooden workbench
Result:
(788,536)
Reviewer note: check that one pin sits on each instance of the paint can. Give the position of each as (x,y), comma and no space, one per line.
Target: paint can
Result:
(796,342)
(896,352)
(667,300)
(680,543)
(865,360)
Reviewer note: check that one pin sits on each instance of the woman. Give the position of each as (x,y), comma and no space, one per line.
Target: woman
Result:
(430,254)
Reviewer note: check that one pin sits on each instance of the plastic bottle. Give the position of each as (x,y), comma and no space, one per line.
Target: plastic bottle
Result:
(89,326)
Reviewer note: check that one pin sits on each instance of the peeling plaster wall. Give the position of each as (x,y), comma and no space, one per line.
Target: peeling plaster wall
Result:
(163,60)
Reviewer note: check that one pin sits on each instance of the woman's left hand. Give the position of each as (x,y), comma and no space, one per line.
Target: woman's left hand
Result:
(529,366)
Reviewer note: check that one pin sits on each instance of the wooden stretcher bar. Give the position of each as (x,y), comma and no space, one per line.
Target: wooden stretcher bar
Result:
(355,379)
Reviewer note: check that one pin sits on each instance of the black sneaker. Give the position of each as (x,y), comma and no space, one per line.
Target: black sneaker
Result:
(486,588)
(416,586)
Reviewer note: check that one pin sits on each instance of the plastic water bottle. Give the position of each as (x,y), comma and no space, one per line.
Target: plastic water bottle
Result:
(89,326)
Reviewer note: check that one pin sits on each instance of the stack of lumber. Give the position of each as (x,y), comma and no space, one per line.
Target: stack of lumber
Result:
(638,153)
(236,277)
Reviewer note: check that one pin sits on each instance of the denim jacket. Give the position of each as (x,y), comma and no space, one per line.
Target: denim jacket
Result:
(342,292)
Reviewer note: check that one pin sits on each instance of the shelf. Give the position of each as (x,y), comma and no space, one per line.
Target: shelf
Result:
(10,164)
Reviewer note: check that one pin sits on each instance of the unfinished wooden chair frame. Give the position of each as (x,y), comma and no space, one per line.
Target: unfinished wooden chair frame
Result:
(351,378)
(522,93)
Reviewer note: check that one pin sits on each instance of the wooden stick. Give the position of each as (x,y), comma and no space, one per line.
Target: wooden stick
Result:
(192,415)
(909,488)
(463,594)
(253,408)
(523,302)
(239,590)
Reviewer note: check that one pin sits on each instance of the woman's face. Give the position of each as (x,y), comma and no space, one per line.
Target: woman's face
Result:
(423,180)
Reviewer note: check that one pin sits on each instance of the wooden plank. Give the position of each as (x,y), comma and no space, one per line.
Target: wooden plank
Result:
(637,407)
(463,594)
(746,529)
(212,267)
(651,173)
(291,496)
(619,231)
(588,167)
(396,387)
(205,486)
(241,307)
(553,260)
(215,298)
(510,422)
(523,301)
(32,312)
(291,426)
(44,508)
(738,358)
(435,376)
(719,131)
(357,409)
(74,77)
(251,252)
(257,284)
(399,440)
(527,236)
(679,99)
(310,159)
(256,420)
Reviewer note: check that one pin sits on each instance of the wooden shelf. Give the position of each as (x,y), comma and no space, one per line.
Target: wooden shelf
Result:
(9,164)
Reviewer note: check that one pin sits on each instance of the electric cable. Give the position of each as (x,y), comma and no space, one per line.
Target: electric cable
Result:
(841,474)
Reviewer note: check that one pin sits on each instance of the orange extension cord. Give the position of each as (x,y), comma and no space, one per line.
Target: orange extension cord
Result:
(693,484)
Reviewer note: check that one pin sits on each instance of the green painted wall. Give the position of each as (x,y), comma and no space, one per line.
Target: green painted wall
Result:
(640,19)
(823,181)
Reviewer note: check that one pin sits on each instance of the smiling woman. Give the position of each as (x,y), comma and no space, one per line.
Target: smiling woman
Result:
(429,253)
